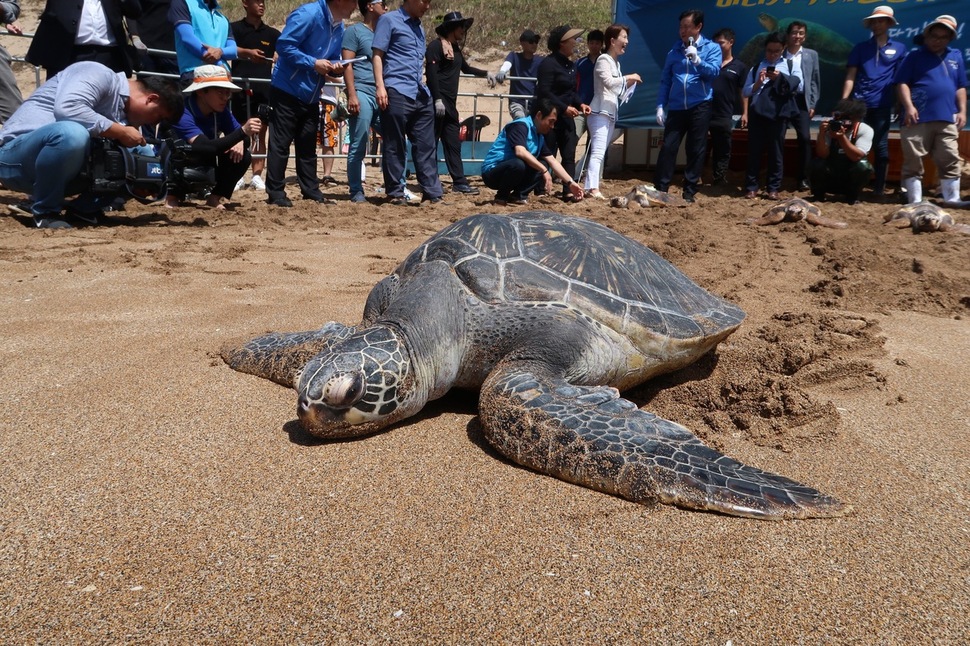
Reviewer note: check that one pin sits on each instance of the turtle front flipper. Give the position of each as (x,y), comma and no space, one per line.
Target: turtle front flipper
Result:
(955,228)
(774,216)
(592,437)
(822,221)
(280,356)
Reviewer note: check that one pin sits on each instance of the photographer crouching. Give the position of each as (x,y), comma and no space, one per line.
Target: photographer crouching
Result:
(843,142)
(46,143)
(218,142)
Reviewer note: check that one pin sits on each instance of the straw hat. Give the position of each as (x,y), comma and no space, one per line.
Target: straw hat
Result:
(882,11)
(944,21)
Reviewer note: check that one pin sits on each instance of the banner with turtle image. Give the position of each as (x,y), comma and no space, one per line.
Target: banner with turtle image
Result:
(833,27)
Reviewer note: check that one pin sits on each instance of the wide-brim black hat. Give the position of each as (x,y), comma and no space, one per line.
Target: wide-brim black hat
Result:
(450,21)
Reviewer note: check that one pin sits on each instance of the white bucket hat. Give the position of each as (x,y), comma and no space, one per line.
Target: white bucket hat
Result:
(210,76)
(944,21)
(882,11)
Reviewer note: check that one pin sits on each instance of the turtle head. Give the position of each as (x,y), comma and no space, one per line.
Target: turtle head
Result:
(794,212)
(359,385)
(927,219)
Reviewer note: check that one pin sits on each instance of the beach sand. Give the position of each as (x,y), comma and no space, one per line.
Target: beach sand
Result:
(150,493)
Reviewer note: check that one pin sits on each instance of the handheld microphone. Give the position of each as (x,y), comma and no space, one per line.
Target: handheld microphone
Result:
(690,41)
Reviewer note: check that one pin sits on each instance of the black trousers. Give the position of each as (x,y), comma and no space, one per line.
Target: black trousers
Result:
(721,130)
(693,124)
(803,133)
(446,130)
(563,140)
(765,135)
(512,179)
(227,172)
(411,119)
(292,122)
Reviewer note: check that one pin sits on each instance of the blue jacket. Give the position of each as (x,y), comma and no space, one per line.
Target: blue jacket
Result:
(309,35)
(684,85)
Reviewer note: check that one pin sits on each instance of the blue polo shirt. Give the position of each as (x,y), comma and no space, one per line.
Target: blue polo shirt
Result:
(193,123)
(933,82)
(401,38)
(876,69)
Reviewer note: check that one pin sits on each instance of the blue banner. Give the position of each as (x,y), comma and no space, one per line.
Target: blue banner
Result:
(834,27)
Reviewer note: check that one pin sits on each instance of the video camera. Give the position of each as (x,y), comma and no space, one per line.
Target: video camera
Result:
(113,169)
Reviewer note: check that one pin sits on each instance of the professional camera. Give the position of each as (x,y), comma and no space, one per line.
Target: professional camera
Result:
(263,111)
(186,174)
(836,125)
(115,170)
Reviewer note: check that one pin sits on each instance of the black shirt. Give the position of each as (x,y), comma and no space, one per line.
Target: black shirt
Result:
(262,38)
(556,79)
(727,89)
(442,73)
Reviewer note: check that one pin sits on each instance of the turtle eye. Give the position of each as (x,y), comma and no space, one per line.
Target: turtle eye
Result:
(342,391)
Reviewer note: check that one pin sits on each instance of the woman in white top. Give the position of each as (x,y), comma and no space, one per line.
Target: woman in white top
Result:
(608,84)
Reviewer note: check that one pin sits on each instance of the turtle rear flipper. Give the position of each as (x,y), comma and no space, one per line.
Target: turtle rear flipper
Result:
(280,356)
(592,437)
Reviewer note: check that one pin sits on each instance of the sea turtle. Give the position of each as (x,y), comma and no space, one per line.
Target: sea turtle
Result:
(548,316)
(925,217)
(794,210)
(646,195)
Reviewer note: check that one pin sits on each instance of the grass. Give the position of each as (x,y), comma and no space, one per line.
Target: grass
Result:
(495,20)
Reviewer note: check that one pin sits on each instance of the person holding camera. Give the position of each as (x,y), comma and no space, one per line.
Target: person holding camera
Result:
(770,107)
(841,166)
(45,145)
(217,139)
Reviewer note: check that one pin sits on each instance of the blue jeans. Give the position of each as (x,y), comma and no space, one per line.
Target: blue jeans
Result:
(360,125)
(45,162)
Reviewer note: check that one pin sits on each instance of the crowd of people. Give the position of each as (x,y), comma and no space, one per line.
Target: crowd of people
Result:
(405,88)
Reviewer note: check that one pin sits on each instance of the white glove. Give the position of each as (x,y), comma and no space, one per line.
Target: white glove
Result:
(500,77)
(138,45)
(439,108)
(691,54)
(491,79)
(660,116)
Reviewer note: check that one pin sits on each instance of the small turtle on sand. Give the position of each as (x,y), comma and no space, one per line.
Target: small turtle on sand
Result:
(925,217)
(646,196)
(549,317)
(794,210)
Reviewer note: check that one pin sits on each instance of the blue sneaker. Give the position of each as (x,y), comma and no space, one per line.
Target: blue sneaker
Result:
(50,221)
(358,198)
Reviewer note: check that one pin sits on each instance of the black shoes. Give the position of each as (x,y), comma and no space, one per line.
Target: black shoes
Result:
(804,186)
(320,199)
(50,221)
(280,201)
(465,188)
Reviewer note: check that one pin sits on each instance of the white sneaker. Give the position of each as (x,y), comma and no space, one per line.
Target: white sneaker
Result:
(257,184)
(411,197)
(241,184)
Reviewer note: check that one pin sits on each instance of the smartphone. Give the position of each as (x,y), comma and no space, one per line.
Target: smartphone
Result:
(770,69)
